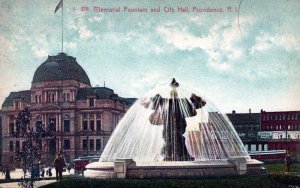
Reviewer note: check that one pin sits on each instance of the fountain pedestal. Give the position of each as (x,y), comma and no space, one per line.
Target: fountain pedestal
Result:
(127,168)
(240,164)
(121,166)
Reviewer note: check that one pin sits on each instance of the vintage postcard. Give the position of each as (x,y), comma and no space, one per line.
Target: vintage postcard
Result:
(152,81)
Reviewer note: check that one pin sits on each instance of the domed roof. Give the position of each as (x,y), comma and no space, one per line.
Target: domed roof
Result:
(60,67)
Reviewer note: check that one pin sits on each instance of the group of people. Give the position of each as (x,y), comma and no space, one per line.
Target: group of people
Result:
(59,164)
(48,172)
(6,173)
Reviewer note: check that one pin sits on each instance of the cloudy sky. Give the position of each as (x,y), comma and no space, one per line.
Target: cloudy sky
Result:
(250,61)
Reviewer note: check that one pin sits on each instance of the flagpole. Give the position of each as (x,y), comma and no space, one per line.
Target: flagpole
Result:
(62,27)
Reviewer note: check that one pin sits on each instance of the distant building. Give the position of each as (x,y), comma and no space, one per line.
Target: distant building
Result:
(282,131)
(247,126)
(269,131)
(61,96)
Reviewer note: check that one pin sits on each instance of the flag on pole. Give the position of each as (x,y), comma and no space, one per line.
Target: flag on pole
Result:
(60,4)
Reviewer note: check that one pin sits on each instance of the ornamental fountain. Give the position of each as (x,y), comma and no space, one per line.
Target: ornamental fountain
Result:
(173,132)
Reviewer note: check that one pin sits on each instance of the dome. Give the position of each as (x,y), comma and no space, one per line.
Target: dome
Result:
(60,67)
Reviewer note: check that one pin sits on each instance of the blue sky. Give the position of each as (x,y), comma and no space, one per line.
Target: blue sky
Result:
(256,66)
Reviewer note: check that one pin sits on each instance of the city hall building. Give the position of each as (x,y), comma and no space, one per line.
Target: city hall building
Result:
(61,95)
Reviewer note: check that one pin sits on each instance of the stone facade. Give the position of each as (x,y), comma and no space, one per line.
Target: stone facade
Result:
(82,116)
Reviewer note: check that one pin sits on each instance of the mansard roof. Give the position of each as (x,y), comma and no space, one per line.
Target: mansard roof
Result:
(83,94)
(102,93)
(60,67)
(24,95)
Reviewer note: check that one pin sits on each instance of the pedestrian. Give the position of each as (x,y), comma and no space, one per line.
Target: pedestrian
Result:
(69,168)
(49,172)
(288,162)
(43,173)
(7,174)
(59,164)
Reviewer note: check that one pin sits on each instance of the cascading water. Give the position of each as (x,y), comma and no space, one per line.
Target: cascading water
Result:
(173,123)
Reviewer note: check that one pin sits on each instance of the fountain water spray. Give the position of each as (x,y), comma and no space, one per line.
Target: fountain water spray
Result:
(173,123)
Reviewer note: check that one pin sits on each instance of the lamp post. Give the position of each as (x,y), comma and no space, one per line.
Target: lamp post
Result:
(286,139)
(87,142)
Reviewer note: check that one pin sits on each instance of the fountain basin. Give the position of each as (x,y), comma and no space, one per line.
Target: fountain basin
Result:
(127,168)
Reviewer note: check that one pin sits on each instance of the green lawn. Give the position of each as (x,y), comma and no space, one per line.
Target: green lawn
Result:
(279,168)
(273,181)
(275,177)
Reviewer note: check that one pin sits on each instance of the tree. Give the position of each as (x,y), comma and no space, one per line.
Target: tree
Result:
(32,140)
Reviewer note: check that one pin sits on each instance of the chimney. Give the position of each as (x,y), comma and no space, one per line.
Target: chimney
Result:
(249,112)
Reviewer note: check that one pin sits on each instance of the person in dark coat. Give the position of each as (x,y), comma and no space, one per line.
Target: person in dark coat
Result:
(59,164)
(50,172)
(7,174)
(288,162)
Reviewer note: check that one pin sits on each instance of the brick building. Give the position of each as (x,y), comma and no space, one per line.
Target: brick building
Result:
(61,95)
(269,131)
(282,131)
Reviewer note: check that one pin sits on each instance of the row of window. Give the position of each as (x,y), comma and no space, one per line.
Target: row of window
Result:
(91,144)
(282,136)
(282,127)
(18,105)
(51,97)
(52,126)
(281,117)
(256,147)
(90,125)
(247,127)
(86,125)
(66,145)
(67,97)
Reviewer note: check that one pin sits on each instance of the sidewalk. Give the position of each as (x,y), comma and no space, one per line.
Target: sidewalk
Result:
(18,173)
(36,184)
